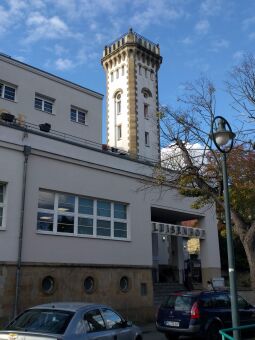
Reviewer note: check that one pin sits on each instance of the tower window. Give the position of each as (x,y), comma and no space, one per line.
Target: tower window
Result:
(147,140)
(146,111)
(117,74)
(111,76)
(140,69)
(152,75)
(123,70)
(118,103)
(119,132)
(146,73)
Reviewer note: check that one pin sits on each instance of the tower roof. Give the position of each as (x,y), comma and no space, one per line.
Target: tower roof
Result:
(132,38)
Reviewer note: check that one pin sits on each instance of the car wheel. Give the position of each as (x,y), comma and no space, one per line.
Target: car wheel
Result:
(171,336)
(213,332)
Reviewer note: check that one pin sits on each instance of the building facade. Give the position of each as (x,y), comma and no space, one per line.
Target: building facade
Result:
(76,222)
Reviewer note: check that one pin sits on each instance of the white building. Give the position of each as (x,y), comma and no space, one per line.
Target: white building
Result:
(75,222)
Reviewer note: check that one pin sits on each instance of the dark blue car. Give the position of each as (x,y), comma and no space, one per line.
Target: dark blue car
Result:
(200,314)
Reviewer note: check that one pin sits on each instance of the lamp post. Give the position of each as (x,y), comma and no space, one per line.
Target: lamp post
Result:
(223,138)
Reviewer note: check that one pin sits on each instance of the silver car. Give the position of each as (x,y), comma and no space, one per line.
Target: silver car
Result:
(70,321)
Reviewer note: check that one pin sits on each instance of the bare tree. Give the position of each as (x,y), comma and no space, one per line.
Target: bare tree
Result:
(241,87)
(195,165)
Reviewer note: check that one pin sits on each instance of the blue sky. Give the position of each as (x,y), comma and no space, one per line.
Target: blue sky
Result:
(67,37)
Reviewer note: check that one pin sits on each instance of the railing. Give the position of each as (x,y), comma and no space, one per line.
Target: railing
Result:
(241,328)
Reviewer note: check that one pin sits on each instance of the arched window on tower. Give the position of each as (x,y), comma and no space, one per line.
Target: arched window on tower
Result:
(118,103)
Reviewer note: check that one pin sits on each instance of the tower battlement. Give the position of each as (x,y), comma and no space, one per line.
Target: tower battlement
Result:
(132,38)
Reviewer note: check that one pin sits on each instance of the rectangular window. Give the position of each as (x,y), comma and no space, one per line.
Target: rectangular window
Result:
(7,92)
(146,111)
(123,70)
(111,76)
(119,132)
(147,139)
(2,204)
(60,213)
(117,74)
(44,104)
(78,115)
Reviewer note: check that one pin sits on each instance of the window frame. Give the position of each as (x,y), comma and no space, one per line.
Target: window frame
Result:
(94,216)
(146,110)
(147,138)
(3,205)
(118,103)
(119,132)
(45,100)
(77,111)
(3,86)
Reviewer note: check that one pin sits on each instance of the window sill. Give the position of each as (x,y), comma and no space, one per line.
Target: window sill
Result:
(49,113)
(9,100)
(40,232)
(72,121)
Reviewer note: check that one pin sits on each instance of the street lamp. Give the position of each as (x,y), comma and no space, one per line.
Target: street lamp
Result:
(223,138)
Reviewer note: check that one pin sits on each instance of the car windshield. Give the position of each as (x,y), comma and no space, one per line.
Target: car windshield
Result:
(42,321)
(179,302)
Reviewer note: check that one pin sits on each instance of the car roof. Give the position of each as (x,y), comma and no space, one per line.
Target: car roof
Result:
(67,306)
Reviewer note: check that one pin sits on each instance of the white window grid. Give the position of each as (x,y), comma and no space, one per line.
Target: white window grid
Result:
(78,115)
(7,92)
(94,216)
(46,104)
(3,205)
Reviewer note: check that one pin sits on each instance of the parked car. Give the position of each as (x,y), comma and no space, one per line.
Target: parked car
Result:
(70,321)
(200,314)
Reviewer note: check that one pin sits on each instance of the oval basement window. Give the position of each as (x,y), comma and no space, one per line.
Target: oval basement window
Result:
(124,284)
(48,284)
(89,284)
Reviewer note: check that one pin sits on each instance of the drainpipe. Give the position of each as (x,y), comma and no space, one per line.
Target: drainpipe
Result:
(27,151)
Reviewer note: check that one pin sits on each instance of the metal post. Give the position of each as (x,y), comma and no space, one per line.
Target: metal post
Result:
(231,257)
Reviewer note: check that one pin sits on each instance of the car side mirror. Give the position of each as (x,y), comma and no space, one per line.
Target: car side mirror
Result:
(126,323)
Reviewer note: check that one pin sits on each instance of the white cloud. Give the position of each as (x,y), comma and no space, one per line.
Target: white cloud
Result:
(156,13)
(60,50)
(198,64)
(202,27)
(187,41)
(238,55)
(172,156)
(252,36)
(20,58)
(11,15)
(64,64)
(211,7)
(41,27)
(248,22)
(220,44)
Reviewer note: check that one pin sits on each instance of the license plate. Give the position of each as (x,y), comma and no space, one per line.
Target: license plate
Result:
(172,323)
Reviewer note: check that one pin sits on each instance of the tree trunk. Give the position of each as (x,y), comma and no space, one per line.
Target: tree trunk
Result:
(249,247)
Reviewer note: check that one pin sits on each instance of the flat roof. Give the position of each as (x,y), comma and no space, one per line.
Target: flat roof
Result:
(48,75)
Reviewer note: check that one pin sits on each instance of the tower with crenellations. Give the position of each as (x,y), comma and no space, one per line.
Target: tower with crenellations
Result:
(131,64)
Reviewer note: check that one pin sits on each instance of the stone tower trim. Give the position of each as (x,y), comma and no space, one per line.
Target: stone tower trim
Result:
(131,64)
